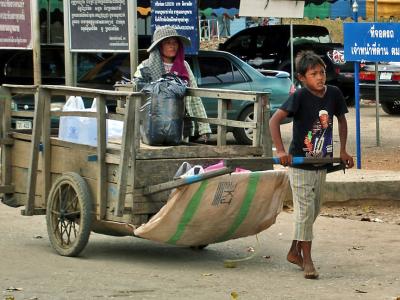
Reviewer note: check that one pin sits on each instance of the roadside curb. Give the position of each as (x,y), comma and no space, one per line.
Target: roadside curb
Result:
(358,184)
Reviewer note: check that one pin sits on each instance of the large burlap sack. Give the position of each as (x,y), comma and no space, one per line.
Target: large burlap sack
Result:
(219,209)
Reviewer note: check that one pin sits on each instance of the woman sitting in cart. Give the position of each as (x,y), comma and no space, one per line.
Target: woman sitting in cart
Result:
(167,56)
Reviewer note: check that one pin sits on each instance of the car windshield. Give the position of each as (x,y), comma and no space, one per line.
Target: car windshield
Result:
(109,70)
(312,37)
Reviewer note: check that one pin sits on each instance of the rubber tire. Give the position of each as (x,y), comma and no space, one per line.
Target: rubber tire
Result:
(240,133)
(80,187)
(391,108)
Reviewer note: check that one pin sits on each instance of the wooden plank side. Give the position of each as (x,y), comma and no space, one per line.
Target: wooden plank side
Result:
(64,159)
(6,141)
(222,115)
(134,174)
(197,151)
(222,94)
(19,199)
(225,122)
(20,180)
(257,115)
(127,139)
(46,146)
(6,150)
(6,189)
(266,136)
(33,161)
(3,96)
(101,194)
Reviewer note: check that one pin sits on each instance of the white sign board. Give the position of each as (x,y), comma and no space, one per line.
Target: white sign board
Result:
(272,8)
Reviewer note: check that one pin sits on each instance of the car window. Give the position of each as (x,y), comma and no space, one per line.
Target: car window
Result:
(20,65)
(217,70)
(268,43)
(189,60)
(109,70)
(52,63)
(317,38)
(86,63)
(260,41)
(241,44)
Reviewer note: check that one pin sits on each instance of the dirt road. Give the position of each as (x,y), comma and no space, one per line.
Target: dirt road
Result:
(356,260)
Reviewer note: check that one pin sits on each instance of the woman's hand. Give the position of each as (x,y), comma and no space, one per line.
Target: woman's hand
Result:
(205,137)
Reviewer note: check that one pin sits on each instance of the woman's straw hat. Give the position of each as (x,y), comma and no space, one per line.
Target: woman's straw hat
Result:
(164,32)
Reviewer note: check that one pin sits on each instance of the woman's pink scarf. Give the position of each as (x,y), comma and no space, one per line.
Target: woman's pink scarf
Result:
(178,67)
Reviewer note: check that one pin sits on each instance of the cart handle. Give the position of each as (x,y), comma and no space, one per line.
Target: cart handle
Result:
(298,160)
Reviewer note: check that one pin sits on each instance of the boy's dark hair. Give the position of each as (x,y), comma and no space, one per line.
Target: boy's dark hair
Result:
(307,59)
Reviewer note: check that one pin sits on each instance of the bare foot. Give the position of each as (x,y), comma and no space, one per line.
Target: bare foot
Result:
(295,258)
(309,271)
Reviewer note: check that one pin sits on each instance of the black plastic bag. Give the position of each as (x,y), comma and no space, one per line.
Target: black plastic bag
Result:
(162,115)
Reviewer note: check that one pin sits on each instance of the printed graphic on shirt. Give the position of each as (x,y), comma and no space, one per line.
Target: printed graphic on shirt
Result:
(318,141)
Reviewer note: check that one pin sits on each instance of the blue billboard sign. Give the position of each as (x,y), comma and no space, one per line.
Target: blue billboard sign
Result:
(180,14)
(371,41)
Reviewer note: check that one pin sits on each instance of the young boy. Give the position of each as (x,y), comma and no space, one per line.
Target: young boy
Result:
(312,108)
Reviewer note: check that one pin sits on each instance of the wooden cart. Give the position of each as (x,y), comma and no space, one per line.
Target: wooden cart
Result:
(114,187)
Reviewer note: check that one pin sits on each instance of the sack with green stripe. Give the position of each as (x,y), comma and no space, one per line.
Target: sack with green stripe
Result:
(219,209)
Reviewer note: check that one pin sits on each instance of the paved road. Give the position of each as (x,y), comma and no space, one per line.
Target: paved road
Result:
(356,260)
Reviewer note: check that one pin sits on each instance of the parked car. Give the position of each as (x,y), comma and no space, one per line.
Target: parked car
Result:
(213,69)
(268,47)
(17,65)
(389,85)
(17,68)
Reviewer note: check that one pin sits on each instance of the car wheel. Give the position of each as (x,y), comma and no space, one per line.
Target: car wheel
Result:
(391,108)
(244,136)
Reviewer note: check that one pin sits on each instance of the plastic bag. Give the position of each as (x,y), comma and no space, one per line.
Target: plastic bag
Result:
(114,127)
(80,130)
(187,169)
(162,115)
(220,165)
(83,130)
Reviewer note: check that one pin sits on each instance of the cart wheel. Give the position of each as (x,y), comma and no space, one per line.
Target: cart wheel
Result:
(69,214)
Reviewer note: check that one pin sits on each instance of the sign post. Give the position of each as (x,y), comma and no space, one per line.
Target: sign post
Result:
(19,30)
(15,24)
(373,42)
(99,26)
(180,14)
(357,96)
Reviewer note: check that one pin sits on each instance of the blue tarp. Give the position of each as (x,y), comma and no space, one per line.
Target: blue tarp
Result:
(340,9)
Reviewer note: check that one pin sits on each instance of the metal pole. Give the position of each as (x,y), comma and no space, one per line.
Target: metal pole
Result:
(378,139)
(37,71)
(69,65)
(357,94)
(133,37)
(291,52)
